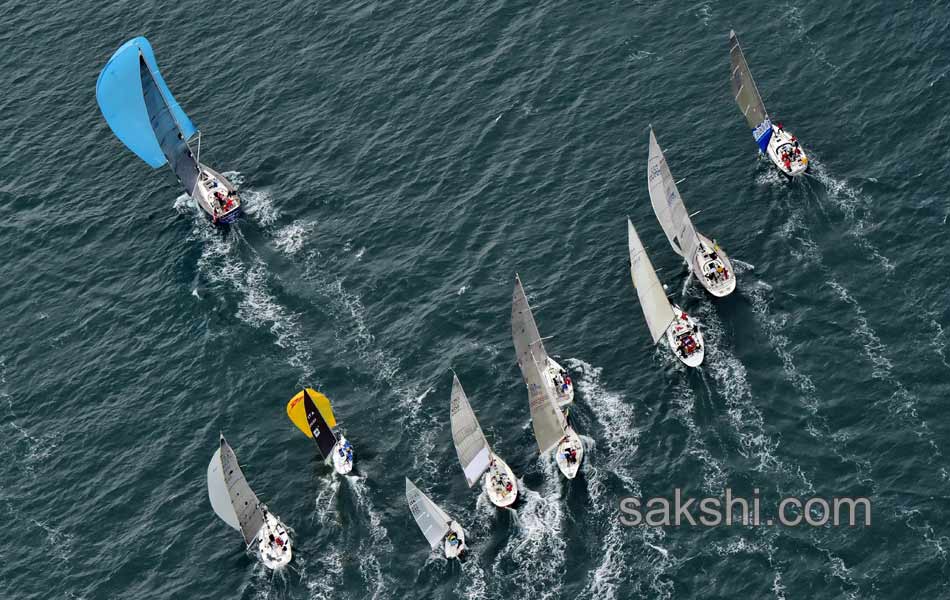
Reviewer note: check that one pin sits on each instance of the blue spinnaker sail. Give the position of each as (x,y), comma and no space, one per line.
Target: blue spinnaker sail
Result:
(122,101)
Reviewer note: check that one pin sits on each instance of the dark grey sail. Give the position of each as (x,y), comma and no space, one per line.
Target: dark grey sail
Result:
(246,506)
(167,131)
(322,434)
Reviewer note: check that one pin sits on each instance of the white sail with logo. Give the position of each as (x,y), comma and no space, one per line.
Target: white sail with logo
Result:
(432,520)
(668,205)
(656,306)
(470,443)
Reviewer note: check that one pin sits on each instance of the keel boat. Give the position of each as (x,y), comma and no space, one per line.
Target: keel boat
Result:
(437,526)
(663,319)
(779,145)
(235,503)
(705,259)
(476,455)
(311,412)
(143,114)
(546,393)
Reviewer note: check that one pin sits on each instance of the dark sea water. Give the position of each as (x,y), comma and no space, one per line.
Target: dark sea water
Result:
(400,161)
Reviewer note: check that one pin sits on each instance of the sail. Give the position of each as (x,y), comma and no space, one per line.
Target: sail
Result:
(656,306)
(524,331)
(470,442)
(121,98)
(322,434)
(431,519)
(225,472)
(298,415)
(169,135)
(667,203)
(747,94)
(547,420)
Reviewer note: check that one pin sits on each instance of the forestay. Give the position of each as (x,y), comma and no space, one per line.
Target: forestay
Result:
(668,205)
(431,519)
(747,95)
(656,306)
(226,483)
(121,99)
(470,442)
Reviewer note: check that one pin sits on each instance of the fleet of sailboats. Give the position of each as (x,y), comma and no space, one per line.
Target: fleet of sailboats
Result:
(311,412)
(549,388)
(233,500)
(705,259)
(779,145)
(143,114)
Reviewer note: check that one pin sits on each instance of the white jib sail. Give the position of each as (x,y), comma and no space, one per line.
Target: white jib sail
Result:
(668,205)
(656,306)
(432,520)
(218,492)
(470,442)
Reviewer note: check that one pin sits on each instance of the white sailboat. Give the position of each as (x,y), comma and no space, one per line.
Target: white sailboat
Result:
(476,455)
(550,424)
(143,114)
(779,145)
(706,260)
(436,525)
(311,412)
(681,331)
(235,503)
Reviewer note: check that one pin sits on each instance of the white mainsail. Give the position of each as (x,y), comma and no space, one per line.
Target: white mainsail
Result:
(656,306)
(231,497)
(668,205)
(470,442)
(524,330)
(746,93)
(432,520)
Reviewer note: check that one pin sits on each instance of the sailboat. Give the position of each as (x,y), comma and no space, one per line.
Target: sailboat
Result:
(779,145)
(235,503)
(706,260)
(144,115)
(476,455)
(547,388)
(681,331)
(436,525)
(311,412)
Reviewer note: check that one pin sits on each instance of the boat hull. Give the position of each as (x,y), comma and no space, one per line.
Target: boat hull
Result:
(496,480)
(563,387)
(781,142)
(211,182)
(274,555)
(708,257)
(570,441)
(342,463)
(454,550)
(681,327)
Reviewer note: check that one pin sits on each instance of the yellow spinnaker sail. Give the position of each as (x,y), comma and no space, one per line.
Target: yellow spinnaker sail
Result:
(297,413)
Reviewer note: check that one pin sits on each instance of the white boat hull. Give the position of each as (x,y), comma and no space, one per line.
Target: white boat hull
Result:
(780,143)
(679,330)
(713,269)
(454,550)
(570,441)
(563,385)
(211,182)
(499,483)
(342,460)
(274,554)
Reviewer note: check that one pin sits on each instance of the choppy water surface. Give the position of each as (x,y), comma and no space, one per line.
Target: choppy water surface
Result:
(400,162)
